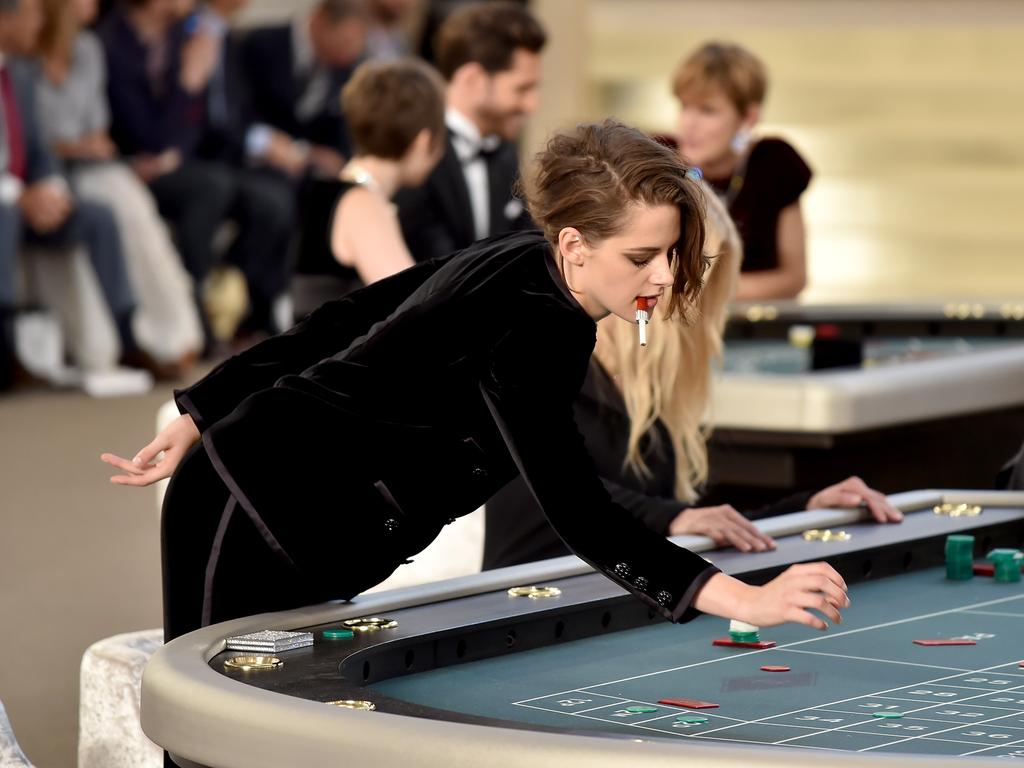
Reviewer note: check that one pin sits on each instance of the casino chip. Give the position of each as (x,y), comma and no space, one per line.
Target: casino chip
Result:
(368,706)
(253,663)
(957,510)
(691,719)
(887,715)
(372,624)
(338,634)
(534,593)
(826,535)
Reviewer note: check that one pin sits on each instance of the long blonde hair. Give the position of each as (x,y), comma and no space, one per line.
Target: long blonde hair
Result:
(670,379)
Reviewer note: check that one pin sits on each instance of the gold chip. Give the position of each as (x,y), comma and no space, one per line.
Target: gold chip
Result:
(826,535)
(353,704)
(957,510)
(534,593)
(372,624)
(252,663)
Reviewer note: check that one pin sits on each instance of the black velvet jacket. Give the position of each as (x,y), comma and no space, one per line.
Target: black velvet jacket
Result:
(409,403)
(516,531)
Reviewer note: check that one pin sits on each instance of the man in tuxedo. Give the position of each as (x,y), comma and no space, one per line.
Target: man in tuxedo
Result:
(490,55)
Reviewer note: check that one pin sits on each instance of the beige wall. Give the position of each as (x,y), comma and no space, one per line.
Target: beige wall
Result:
(910,113)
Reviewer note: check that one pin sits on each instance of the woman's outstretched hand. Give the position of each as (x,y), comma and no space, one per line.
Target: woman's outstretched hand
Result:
(174,440)
(789,597)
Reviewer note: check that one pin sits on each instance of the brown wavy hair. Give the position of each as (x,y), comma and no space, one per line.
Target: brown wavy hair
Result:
(588,178)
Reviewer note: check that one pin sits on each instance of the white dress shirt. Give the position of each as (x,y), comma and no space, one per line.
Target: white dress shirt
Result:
(468,145)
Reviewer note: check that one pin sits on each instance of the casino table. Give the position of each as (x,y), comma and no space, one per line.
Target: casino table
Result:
(942,385)
(472,676)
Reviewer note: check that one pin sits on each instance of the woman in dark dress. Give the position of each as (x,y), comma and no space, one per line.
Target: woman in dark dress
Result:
(721,89)
(400,151)
(644,417)
(314,464)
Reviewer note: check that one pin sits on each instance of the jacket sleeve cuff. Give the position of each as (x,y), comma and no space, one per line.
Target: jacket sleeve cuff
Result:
(186,406)
(684,610)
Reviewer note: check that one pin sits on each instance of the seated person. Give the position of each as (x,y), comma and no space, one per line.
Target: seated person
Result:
(398,150)
(75,120)
(159,70)
(295,71)
(721,89)
(640,412)
(292,74)
(36,205)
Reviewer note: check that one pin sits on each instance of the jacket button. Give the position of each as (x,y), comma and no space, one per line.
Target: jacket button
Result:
(622,570)
(641,583)
(391,524)
(664,598)
(479,472)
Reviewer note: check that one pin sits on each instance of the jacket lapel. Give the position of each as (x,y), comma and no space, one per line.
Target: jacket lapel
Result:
(453,194)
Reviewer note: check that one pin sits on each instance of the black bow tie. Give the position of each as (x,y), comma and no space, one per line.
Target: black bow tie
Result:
(481,147)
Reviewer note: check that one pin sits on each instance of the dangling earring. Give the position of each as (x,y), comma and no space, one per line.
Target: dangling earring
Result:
(740,141)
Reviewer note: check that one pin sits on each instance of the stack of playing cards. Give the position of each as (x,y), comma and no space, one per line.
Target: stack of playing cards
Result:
(269,641)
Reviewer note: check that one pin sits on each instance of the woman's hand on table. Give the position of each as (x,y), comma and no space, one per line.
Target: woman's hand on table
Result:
(789,597)
(174,440)
(853,492)
(723,525)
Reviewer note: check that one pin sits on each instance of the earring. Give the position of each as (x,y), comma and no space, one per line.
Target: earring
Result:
(740,141)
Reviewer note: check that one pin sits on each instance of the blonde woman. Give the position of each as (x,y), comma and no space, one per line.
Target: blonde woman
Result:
(73,110)
(642,414)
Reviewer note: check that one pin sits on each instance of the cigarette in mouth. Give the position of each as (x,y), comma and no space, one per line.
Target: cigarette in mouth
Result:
(642,318)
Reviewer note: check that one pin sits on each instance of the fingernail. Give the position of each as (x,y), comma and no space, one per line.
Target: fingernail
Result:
(137,461)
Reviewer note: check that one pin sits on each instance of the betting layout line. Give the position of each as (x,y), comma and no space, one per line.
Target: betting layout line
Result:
(642,723)
(621,700)
(946,730)
(787,646)
(996,613)
(825,705)
(695,735)
(915,710)
(1006,710)
(850,728)
(876,661)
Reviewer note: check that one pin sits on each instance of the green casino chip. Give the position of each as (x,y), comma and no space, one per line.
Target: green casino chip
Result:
(641,710)
(887,715)
(745,637)
(691,719)
(338,634)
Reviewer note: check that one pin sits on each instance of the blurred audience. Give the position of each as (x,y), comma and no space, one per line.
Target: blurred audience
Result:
(393,153)
(489,53)
(160,64)
(392,26)
(75,121)
(36,205)
(296,71)
(721,89)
